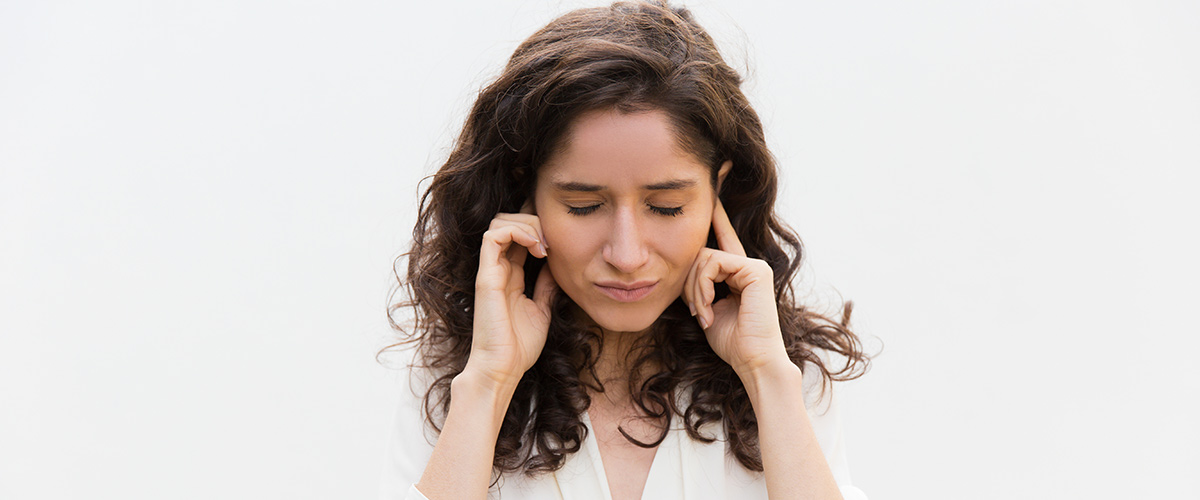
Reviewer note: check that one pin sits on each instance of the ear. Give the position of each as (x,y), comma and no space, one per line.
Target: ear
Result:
(722,172)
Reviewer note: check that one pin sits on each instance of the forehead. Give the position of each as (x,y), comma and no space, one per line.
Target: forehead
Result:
(610,148)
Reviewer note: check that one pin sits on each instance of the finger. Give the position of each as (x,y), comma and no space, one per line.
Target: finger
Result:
(747,273)
(489,277)
(503,238)
(527,207)
(516,254)
(706,289)
(689,281)
(532,221)
(499,241)
(526,223)
(717,269)
(727,239)
(696,288)
(544,289)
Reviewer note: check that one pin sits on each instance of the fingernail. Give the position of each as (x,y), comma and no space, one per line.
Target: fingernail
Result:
(691,308)
(703,323)
(542,249)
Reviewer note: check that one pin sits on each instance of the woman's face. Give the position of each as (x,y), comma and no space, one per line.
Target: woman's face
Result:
(624,213)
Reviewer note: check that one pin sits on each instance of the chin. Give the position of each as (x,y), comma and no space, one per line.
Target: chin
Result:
(624,319)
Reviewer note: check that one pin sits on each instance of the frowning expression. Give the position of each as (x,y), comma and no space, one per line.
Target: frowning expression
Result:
(624,211)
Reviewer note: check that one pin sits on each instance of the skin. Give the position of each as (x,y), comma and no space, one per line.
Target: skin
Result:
(622,207)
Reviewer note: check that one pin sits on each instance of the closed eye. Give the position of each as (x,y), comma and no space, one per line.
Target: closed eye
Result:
(669,211)
(582,210)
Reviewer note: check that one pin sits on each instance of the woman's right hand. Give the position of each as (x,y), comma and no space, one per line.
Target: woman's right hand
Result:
(510,328)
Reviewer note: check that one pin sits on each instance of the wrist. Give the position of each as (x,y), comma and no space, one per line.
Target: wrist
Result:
(475,385)
(775,375)
(493,376)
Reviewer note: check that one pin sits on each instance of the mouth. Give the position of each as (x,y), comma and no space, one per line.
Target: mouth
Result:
(626,292)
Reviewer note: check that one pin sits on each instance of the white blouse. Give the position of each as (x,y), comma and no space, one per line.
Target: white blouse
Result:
(683,469)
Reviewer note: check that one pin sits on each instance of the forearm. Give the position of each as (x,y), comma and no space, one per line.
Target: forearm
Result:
(461,464)
(793,463)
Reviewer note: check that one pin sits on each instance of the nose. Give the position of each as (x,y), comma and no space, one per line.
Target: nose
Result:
(626,250)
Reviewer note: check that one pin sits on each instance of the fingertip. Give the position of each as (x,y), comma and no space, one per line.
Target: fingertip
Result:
(534,242)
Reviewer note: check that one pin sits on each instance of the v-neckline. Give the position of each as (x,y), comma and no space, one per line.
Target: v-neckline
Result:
(601,475)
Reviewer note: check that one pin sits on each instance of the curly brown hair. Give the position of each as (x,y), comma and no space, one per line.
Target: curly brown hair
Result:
(630,57)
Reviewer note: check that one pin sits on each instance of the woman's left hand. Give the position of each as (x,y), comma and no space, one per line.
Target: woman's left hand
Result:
(742,328)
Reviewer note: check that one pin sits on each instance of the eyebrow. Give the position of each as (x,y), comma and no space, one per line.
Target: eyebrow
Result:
(658,186)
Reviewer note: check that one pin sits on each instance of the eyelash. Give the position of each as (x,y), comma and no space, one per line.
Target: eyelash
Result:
(667,211)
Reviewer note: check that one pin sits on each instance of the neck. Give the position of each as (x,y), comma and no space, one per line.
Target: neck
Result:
(614,366)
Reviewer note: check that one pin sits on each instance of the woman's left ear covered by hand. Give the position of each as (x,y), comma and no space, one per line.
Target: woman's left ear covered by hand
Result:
(743,328)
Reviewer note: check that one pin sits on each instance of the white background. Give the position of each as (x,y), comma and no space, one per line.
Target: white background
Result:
(200,203)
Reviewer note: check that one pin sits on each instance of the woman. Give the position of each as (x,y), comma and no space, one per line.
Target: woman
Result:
(602,292)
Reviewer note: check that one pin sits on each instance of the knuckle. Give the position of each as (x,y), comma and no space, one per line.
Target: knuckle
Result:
(494,234)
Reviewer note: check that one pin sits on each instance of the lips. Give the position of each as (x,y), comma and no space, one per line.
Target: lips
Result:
(626,292)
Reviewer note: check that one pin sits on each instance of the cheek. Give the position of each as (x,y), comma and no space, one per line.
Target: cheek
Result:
(570,245)
(680,242)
